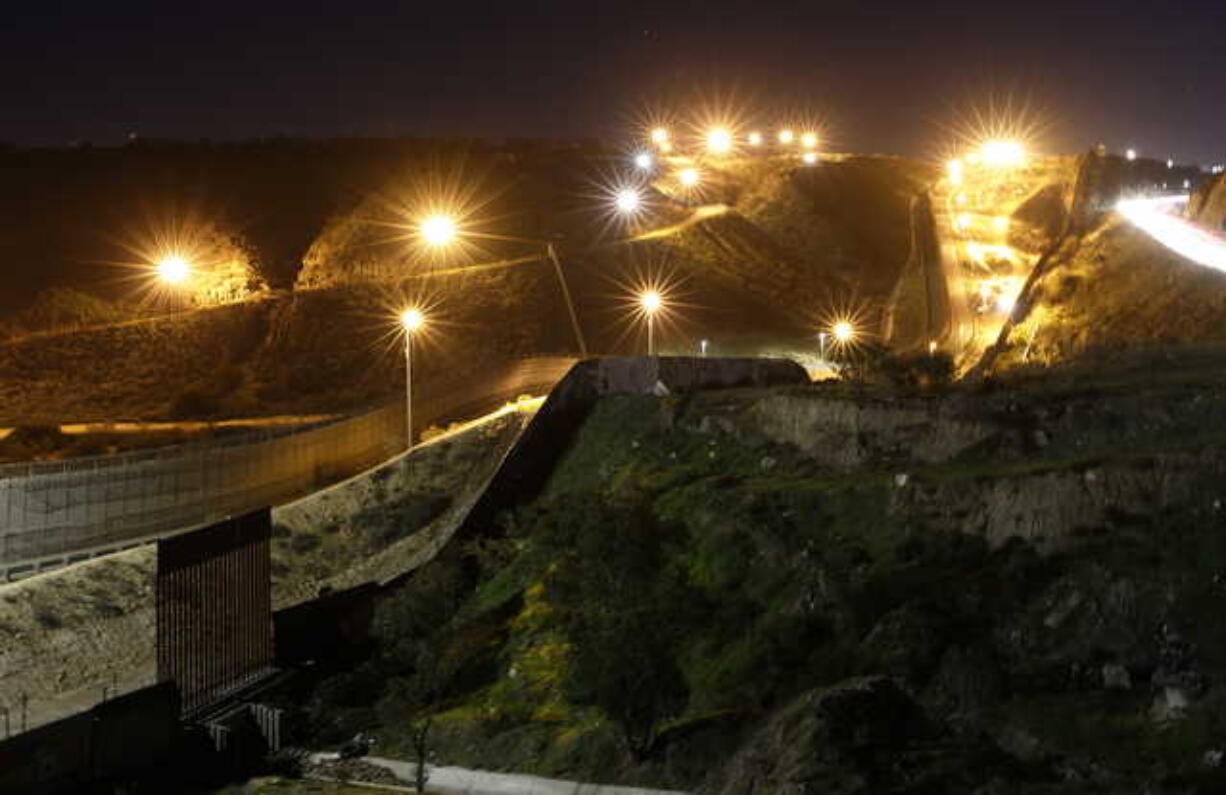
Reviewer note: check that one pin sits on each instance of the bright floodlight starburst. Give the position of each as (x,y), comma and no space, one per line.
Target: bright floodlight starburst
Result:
(173,269)
(627,201)
(438,230)
(719,140)
(651,301)
(412,319)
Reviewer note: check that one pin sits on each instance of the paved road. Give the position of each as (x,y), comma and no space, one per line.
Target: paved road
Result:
(1162,219)
(463,781)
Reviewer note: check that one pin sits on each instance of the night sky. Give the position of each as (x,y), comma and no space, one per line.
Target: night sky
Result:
(886,77)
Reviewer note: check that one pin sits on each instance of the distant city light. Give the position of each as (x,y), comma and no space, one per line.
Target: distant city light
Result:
(643,160)
(173,270)
(809,157)
(1001,223)
(755,139)
(1131,154)
(1002,153)
(809,140)
(786,136)
(960,198)
(688,177)
(719,140)
(627,200)
(1170,163)
(438,230)
(962,222)
(659,136)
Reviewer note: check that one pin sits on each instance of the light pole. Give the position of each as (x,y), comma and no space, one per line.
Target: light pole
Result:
(650,302)
(702,346)
(821,337)
(411,320)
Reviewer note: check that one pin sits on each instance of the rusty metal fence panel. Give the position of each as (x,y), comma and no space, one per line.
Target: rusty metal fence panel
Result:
(214,609)
(53,511)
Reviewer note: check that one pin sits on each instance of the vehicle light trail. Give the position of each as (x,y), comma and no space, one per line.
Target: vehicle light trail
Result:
(1157,218)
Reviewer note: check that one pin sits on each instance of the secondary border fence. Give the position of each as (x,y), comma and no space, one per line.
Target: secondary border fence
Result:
(53,512)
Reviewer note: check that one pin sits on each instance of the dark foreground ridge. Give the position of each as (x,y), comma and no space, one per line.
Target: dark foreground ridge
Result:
(833,589)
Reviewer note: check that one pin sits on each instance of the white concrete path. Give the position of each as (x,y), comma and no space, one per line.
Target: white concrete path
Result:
(463,781)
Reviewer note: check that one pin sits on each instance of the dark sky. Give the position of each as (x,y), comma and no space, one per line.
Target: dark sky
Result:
(886,76)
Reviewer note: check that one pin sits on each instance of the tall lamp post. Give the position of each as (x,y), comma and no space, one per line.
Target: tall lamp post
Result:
(173,272)
(411,320)
(650,302)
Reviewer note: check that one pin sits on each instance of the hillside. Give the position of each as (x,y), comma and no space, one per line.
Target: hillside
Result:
(835,589)
(1110,289)
(329,225)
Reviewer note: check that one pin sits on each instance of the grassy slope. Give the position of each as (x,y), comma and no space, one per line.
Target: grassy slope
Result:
(793,577)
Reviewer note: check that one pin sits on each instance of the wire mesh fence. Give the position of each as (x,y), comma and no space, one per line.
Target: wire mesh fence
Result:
(56,510)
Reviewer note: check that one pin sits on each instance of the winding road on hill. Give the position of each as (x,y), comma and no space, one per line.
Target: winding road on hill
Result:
(1162,219)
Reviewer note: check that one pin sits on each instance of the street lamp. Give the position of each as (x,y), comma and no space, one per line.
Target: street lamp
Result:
(809,140)
(438,230)
(411,321)
(719,140)
(755,139)
(786,136)
(688,177)
(809,158)
(650,302)
(173,270)
(643,161)
(843,332)
(627,201)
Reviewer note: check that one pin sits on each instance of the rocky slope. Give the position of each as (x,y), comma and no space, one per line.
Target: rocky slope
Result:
(835,589)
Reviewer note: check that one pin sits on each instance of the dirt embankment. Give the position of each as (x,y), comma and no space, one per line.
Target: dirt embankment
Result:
(67,635)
